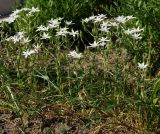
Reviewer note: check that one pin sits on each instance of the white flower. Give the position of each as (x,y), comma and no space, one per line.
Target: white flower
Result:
(10,19)
(16,38)
(102,39)
(33,10)
(42,28)
(105,26)
(25,9)
(45,36)
(9,39)
(133,30)
(99,18)
(114,24)
(20,35)
(130,17)
(142,65)
(74,54)
(36,48)
(86,20)
(93,45)
(17,11)
(62,32)
(59,18)
(53,23)
(27,53)
(89,19)
(25,40)
(123,19)
(68,23)
(136,36)
(73,33)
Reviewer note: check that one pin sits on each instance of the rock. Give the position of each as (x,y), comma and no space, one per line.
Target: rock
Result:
(6,6)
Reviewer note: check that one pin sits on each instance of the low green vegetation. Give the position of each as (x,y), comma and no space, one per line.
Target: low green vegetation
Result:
(66,59)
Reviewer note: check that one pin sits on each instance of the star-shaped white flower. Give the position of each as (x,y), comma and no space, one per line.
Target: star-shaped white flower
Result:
(74,54)
(93,45)
(42,28)
(69,23)
(73,33)
(45,36)
(142,65)
(28,53)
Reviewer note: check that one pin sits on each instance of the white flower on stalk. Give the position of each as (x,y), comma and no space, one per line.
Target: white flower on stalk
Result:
(74,54)
(20,35)
(28,53)
(25,9)
(68,23)
(59,18)
(86,20)
(33,10)
(53,23)
(130,17)
(16,38)
(99,18)
(103,39)
(36,48)
(142,65)
(42,28)
(105,26)
(113,24)
(9,39)
(123,19)
(136,36)
(25,40)
(17,11)
(10,19)
(12,16)
(62,32)
(94,44)
(89,19)
(73,33)
(92,17)
(133,30)
(45,36)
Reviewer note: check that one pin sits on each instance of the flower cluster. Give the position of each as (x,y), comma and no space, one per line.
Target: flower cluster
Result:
(134,32)
(101,42)
(15,14)
(95,19)
(54,23)
(33,10)
(19,37)
(42,28)
(74,54)
(105,26)
(123,19)
(28,52)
